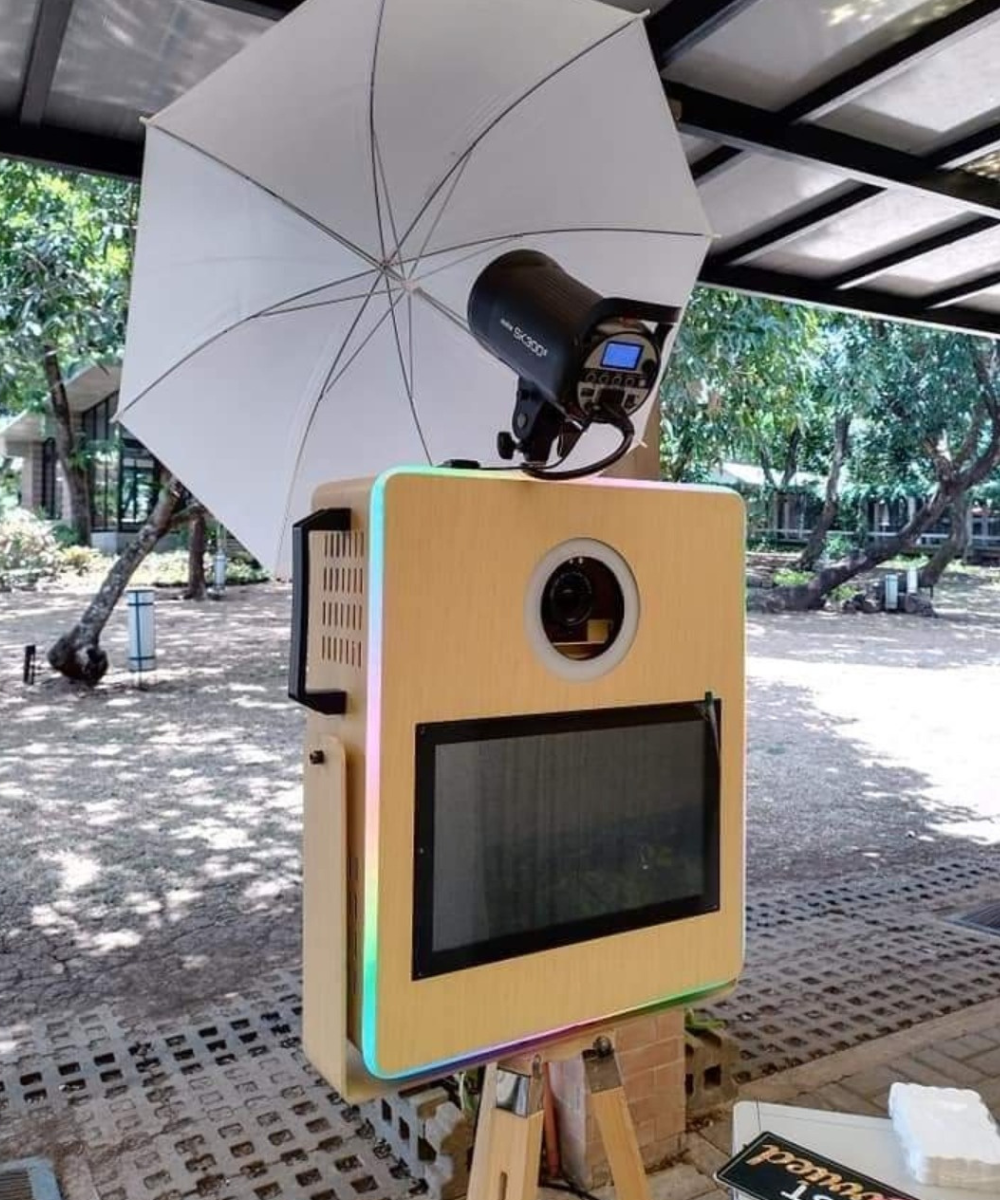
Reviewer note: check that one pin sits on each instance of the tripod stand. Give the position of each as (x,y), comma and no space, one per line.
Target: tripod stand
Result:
(508,1145)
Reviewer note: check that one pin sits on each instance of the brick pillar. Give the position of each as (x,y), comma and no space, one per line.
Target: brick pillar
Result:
(651,1059)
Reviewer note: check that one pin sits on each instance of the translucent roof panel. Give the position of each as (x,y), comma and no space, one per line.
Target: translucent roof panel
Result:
(125,58)
(945,96)
(17,21)
(885,223)
(985,301)
(953,264)
(696,147)
(776,50)
(756,191)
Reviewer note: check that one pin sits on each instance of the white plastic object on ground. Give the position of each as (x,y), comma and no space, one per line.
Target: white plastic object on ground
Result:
(947,1135)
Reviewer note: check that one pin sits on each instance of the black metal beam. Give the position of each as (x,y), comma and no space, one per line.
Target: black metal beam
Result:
(271,10)
(961,291)
(55,146)
(51,23)
(682,24)
(847,85)
(967,149)
(883,167)
(871,268)
(864,301)
(751,128)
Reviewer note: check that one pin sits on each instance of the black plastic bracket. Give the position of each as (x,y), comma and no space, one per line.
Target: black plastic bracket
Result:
(325,520)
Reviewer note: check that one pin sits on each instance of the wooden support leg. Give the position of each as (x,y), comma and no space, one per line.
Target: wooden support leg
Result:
(508,1149)
(607,1098)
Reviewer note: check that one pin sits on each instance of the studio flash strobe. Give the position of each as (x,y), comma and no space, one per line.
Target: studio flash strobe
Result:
(581,359)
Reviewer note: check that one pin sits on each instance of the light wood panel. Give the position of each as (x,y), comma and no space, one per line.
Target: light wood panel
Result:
(458,554)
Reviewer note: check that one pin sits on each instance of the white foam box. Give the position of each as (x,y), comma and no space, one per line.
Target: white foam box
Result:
(947,1135)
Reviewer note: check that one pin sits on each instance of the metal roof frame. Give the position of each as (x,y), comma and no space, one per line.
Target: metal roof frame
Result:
(734,129)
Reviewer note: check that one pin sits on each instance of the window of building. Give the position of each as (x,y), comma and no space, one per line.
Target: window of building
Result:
(139,482)
(51,496)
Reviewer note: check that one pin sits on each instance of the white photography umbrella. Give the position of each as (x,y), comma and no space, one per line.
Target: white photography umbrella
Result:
(314,215)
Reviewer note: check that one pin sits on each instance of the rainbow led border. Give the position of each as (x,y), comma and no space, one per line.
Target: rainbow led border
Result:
(369,971)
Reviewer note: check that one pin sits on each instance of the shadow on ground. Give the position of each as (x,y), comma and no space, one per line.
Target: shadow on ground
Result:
(150,836)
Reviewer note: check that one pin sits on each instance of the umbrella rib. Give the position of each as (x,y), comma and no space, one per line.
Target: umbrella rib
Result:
(285,203)
(328,383)
(371,126)
(461,165)
(264,312)
(510,108)
(340,354)
(485,243)
(280,312)
(402,367)
(409,323)
(320,287)
(491,244)
(388,198)
(332,383)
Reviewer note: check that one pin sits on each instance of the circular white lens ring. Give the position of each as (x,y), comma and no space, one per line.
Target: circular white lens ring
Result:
(581,670)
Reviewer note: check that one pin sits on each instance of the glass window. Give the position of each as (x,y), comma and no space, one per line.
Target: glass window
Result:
(51,492)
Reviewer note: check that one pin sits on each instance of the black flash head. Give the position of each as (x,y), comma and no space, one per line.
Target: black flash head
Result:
(580,358)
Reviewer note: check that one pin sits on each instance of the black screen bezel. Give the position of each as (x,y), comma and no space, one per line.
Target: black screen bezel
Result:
(428,962)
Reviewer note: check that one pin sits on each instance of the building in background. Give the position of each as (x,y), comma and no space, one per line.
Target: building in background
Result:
(124,476)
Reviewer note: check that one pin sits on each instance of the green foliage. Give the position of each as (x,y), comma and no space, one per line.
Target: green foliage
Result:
(28,551)
(739,386)
(789,577)
(65,257)
(9,484)
(64,534)
(840,545)
(170,569)
(845,591)
(81,560)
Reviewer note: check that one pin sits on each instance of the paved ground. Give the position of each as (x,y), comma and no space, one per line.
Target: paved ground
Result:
(151,868)
(871,738)
(151,838)
(961,1050)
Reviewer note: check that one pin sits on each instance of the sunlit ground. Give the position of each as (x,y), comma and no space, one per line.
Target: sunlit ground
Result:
(873,738)
(149,839)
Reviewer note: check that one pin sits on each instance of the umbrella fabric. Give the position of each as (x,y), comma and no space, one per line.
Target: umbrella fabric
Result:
(314,214)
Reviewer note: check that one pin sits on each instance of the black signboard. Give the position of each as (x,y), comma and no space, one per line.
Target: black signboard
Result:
(773,1168)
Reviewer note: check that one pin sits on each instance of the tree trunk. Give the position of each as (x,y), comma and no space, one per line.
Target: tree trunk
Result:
(196,589)
(831,500)
(78,654)
(814,593)
(954,546)
(75,472)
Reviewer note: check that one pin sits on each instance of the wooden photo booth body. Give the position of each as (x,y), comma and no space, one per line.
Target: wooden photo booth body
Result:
(488,847)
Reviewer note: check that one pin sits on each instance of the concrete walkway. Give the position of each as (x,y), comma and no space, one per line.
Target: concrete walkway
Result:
(959,1050)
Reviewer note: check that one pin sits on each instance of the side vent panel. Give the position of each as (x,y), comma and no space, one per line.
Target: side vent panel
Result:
(342,601)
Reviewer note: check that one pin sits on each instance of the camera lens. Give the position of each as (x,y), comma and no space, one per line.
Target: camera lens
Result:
(569,598)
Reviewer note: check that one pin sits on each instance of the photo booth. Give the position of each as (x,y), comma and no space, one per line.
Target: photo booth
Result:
(524,762)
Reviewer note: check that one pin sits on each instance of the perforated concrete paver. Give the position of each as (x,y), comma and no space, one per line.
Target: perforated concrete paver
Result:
(222,1105)
(846,963)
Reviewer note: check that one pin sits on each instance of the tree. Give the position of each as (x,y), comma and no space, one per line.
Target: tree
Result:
(197,537)
(932,419)
(954,546)
(739,385)
(78,654)
(65,256)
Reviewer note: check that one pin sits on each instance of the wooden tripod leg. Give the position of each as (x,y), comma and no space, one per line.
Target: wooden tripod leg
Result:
(508,1150)
(607,1098)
